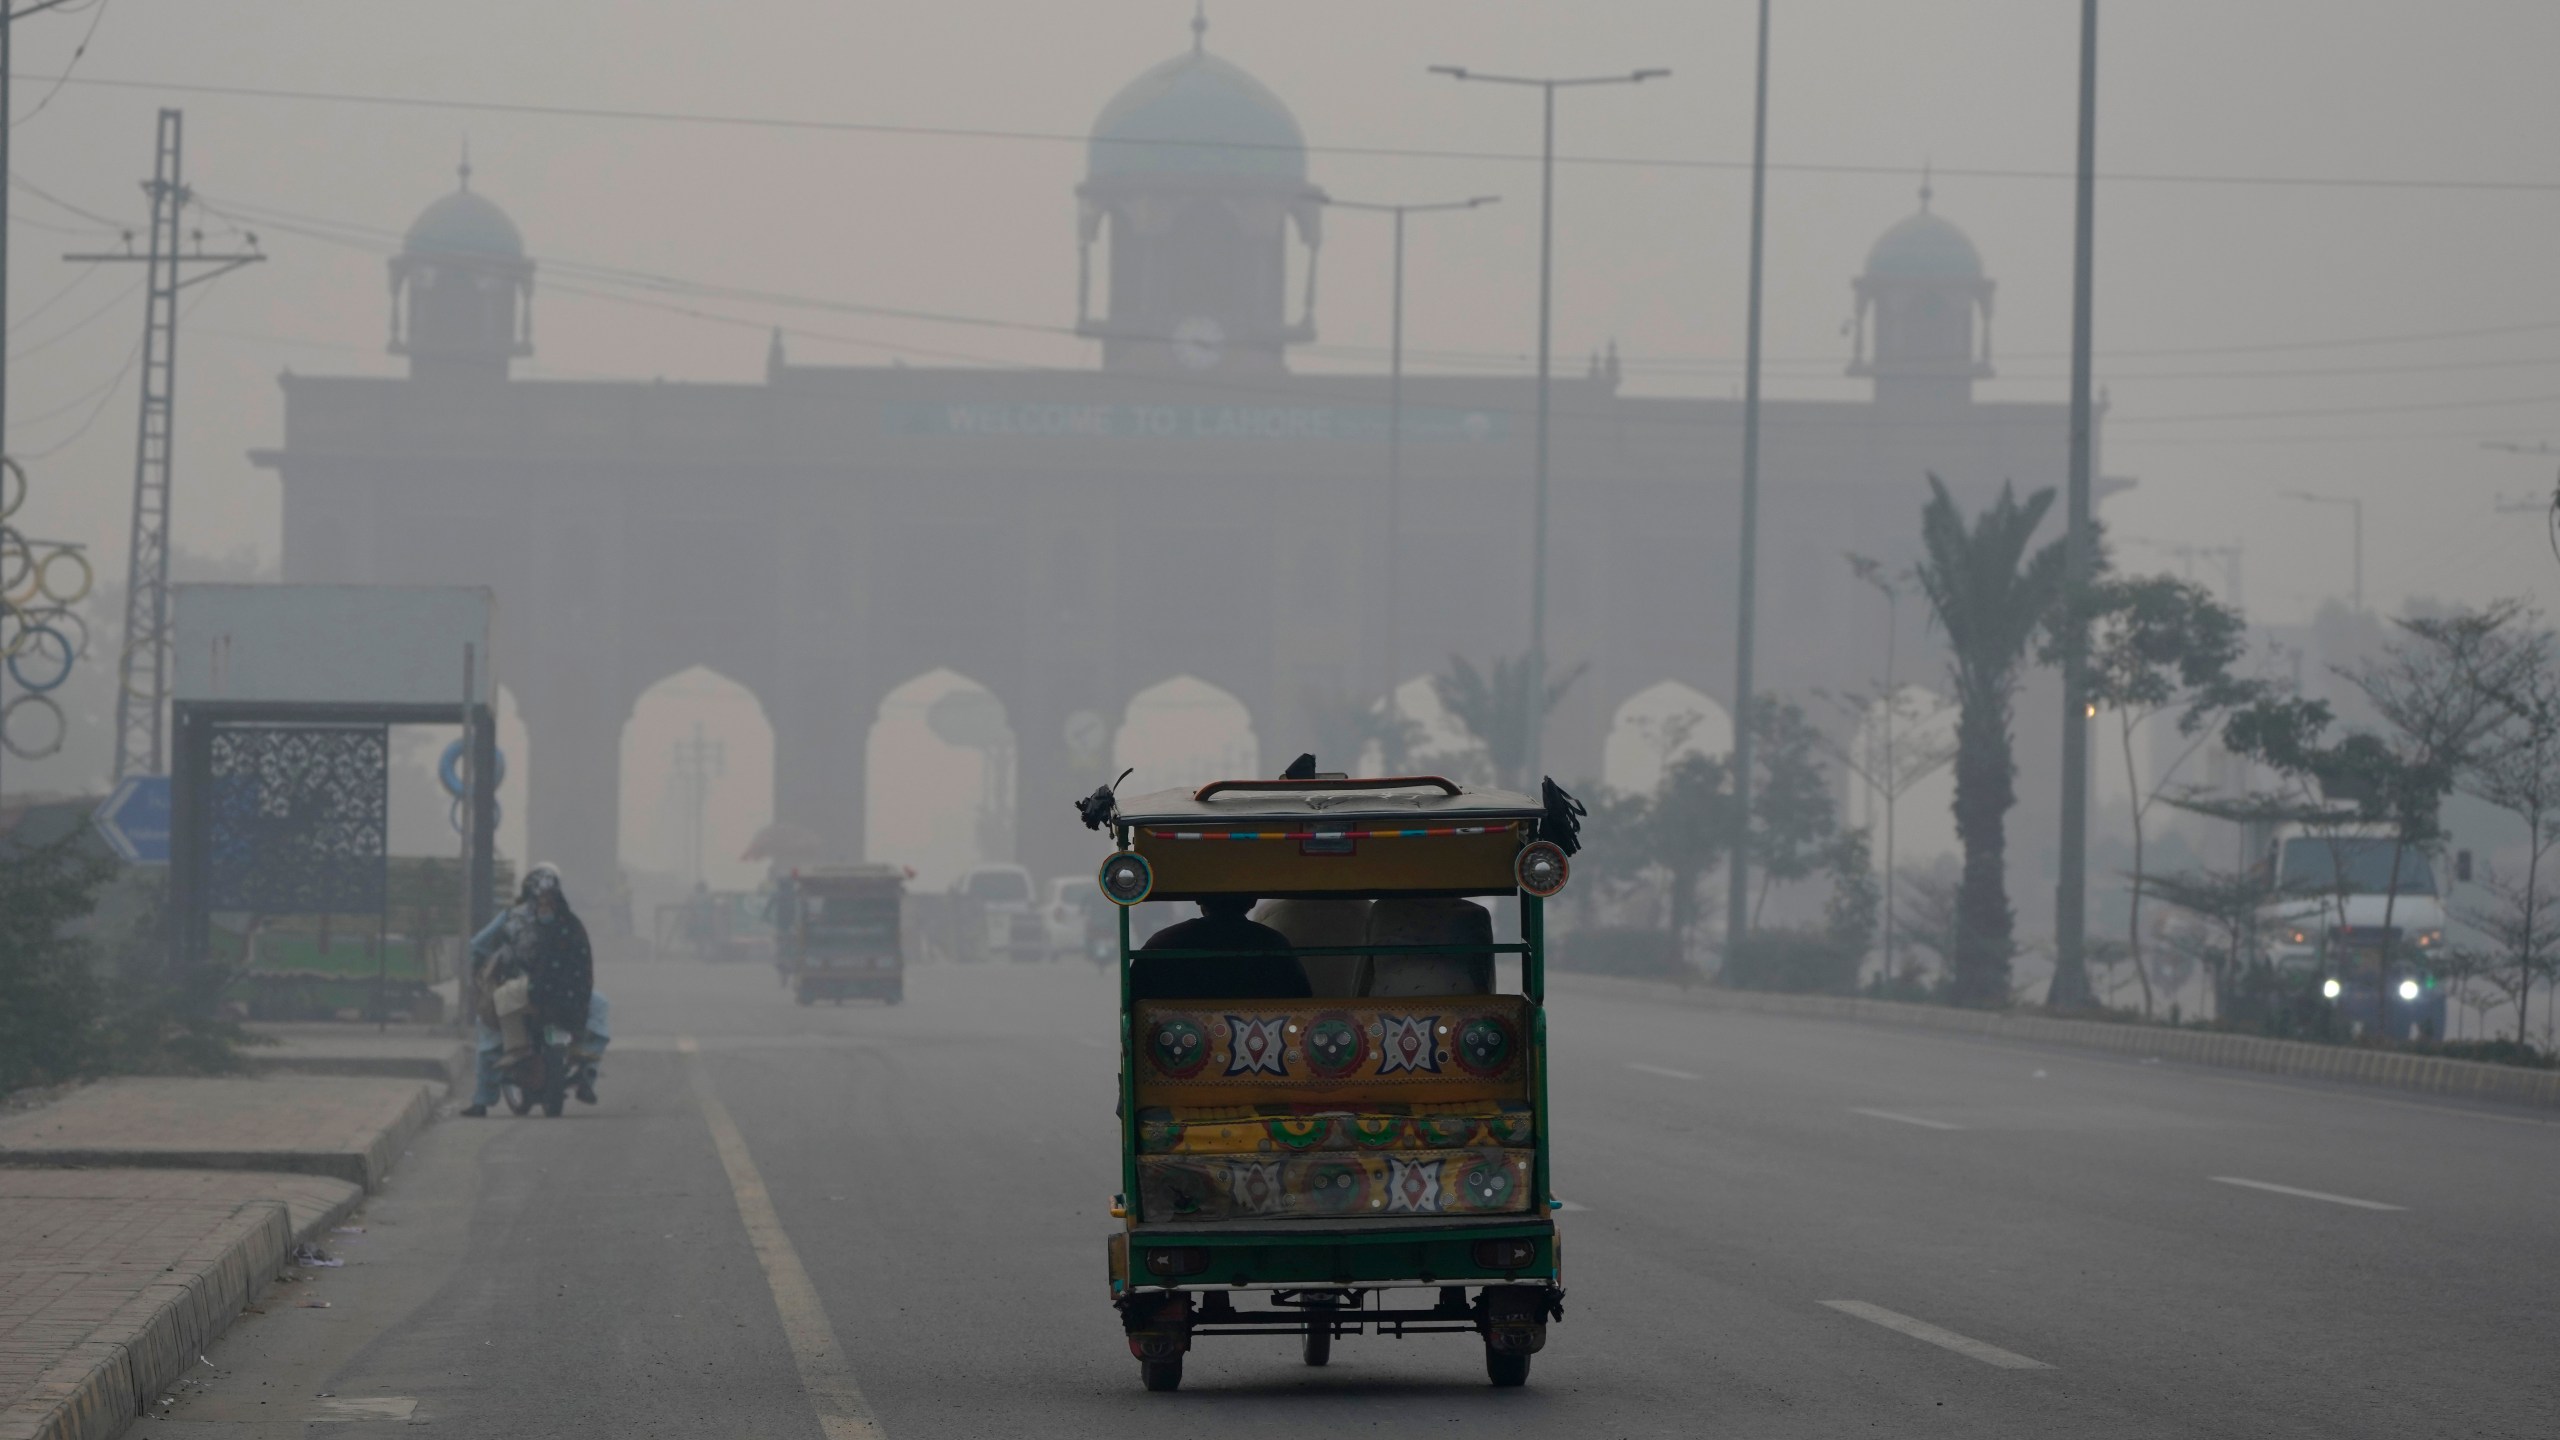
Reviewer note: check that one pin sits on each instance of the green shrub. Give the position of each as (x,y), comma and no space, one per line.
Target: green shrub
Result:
(1626,951)
(50,999)
(1794,962)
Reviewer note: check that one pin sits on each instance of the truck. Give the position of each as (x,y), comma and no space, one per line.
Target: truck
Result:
(2358,916)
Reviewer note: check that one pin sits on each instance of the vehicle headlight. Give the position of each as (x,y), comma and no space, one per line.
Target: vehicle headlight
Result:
(2332,989)
(2408,989)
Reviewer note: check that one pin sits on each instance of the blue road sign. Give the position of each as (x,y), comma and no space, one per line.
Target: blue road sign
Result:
(135,819)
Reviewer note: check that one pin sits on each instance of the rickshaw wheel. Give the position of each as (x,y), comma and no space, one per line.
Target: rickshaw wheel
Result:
(1161,1374)
(1318,1345)
(1505,1371)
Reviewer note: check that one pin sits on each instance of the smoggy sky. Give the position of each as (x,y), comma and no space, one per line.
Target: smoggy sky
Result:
(2249,300)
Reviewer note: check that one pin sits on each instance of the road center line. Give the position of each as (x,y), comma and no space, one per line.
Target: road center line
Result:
(1664,1071)
(2275,1189)
(842,1412)
(1965,1345)
(1902,1119)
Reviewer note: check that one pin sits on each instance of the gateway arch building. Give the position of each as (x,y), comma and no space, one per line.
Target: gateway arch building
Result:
(1189,507)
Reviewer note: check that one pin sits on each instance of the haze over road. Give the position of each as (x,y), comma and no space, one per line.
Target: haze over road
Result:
(1779,1227)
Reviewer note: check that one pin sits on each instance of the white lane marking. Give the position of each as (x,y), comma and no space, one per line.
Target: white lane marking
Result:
(2275,1189)
(1965,1345)
(1664,1071)
(1902,1119)
(360,1407)
(842,1412)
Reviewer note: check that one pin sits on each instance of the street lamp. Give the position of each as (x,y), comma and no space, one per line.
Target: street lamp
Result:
(1547,87)
(2356,504)
(1395,398)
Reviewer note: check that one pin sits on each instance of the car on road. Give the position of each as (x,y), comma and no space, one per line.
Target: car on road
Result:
(996,916)
(1079,920)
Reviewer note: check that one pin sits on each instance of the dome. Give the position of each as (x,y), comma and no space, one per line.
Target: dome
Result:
(465,223)
(1195,114)
(1925,246)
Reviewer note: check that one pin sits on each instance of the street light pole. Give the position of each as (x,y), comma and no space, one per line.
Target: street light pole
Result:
(1395,403)
(2070,988)
(1737,909)
(1548,86)
(2355,504)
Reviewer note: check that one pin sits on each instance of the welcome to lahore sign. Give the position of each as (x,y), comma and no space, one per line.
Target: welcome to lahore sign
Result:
(1196,422)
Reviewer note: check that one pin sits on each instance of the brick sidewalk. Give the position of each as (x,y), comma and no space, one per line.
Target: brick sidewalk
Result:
(113,1281)
(352,1128)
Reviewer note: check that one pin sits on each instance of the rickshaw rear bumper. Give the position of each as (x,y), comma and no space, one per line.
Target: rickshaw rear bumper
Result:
(1519,1252)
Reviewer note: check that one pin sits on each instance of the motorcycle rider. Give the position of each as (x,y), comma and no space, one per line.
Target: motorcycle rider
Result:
(541,939)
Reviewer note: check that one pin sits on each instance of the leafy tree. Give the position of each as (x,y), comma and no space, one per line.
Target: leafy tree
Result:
(1923,921)
(1617,852)
(1897,745)
(2518,770)
(1990,595)
(2155,644)
(1794,817)
(1690,827)
(1849,915)
(1504,709)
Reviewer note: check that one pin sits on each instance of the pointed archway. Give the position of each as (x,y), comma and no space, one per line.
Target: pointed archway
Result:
(941,758)
(1185,732)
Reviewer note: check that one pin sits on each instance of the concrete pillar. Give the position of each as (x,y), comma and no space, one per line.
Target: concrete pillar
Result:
(573,725)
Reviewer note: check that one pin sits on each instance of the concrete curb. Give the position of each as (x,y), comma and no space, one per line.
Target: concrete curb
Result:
(2388,1069)
(94,1392)
(453,1071)
(365,1166)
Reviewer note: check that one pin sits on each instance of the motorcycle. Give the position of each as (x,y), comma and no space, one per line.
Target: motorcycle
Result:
(545,1075)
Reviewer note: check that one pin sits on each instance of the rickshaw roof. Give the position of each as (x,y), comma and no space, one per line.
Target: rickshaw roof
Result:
(1327,800)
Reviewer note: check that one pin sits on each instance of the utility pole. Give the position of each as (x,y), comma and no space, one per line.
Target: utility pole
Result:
(9,17)
(1547,86)
(142,667)
(1737,905)
(2070,988)
(697,763)
(2355,504)
(1395,404)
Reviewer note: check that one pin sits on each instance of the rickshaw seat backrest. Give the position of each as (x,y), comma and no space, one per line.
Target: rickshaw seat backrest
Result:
(1322,924)
(1430,922)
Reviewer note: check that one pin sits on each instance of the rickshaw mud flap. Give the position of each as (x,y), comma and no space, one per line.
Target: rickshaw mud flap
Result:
(1513,1318)
(1158,1326)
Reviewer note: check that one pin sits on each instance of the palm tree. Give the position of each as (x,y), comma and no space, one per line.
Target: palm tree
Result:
(1503,710)
(1990,596)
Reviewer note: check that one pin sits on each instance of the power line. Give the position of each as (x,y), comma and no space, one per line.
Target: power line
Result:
(98,9)
(76,326)
(1394,152)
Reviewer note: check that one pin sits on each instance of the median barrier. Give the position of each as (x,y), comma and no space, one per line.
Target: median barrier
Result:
(2351,1064)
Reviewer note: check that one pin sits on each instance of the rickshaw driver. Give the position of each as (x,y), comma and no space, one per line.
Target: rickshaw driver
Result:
(1256,964)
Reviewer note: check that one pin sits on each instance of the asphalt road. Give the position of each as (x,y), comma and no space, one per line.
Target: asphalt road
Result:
(1781,1228)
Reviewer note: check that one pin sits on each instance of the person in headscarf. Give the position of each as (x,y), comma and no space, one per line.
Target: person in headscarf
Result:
(541,940)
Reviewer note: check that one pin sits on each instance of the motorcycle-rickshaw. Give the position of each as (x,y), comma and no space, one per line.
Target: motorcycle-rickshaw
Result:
(838,934)
(1368,1155)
